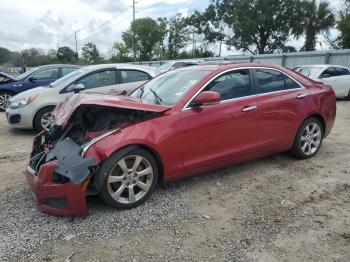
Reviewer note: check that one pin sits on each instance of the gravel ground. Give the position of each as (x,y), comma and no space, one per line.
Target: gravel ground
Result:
(271,209)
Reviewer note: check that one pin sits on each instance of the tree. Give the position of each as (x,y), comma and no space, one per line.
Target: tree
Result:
(344,26)
(144,36)
(4,55)
(209,23)
(66,55)
(257,26)
(121,52)
(91,54)
(177,35)
(315,19)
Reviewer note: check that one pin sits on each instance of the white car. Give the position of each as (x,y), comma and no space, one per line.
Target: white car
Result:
(32,108)
(336,76)
(172,65)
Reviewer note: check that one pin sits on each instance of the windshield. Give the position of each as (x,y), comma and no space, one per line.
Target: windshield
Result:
(169,88)
(165,66)
(66,78)
(311,71)
(25,74)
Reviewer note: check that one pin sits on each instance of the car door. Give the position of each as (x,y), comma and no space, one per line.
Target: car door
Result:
(338,78)
(219,133)
(101,81)
(42,77)
(130,79)
(281,103)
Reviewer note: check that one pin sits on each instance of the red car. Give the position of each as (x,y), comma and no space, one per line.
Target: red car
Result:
(181,123)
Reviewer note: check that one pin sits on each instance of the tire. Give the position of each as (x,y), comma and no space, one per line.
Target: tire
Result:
(308,139)
(37,122)
(4,97)
(125,190)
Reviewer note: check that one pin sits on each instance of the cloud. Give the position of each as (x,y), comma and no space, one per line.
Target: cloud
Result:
(108,6)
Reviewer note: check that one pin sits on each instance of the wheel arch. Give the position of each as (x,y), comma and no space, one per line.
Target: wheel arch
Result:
(318,117)
(98,180)
(38,110)
(7,90)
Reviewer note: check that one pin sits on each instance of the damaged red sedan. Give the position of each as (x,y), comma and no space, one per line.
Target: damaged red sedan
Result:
(181,123)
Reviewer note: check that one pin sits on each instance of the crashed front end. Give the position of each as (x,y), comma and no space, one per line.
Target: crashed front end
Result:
(61,171)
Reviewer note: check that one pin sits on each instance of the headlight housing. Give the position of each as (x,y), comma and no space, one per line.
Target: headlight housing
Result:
(22,102)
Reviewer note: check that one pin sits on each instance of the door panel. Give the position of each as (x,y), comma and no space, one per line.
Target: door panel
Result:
(340,84)
(218,133)
(281,103)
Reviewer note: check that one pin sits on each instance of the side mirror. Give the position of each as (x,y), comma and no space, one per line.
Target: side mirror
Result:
(325,75)
(78,87)
(172,68)
(32,79)
(207,98)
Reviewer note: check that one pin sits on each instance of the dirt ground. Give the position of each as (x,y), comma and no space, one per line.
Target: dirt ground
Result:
(272,209)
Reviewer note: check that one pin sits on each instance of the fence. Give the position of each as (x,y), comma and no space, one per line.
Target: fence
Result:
(291,60)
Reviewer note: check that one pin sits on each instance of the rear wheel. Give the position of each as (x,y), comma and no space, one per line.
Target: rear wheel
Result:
(130,180)
(309,138)
(44,119)
(4,99)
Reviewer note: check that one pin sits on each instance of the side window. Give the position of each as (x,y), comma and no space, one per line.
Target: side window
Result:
(269,81)
(46,74)
(342,71)
(67,70)
(231,85)
(329,72)
(130,76)
(98,79)
(290,83)
(178,65)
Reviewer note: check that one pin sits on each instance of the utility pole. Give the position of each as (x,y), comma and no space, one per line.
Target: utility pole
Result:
(76,44)
(133,19)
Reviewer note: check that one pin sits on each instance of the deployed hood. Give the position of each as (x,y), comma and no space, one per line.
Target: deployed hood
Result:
(64,110)
(6,78)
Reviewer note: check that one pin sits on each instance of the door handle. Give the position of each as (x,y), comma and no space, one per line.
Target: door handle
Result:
(301,96)
(249,108)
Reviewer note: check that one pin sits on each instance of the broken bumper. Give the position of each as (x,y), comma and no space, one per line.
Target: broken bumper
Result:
(56,199)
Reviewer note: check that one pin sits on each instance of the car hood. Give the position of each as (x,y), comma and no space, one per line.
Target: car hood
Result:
(64,110)
(30,92)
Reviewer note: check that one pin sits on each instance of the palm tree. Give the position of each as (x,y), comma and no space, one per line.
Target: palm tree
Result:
(317,18)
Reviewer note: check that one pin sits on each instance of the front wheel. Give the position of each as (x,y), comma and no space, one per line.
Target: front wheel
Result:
(5,99)
(309,138)
(130,179)
(44,119)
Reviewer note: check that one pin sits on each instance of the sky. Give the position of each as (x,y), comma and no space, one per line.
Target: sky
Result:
(48,24)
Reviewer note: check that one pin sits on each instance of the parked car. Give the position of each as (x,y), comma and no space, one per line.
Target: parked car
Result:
(336,76)
(38,76)
(171,65)
(181,123)
(32,109)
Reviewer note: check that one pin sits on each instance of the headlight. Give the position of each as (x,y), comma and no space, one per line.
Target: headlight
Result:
(22,102)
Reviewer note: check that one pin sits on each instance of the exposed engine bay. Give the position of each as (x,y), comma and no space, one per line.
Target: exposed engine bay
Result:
(65,144)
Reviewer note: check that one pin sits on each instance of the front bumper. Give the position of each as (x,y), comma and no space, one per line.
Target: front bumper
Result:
(23,116)
(56,199)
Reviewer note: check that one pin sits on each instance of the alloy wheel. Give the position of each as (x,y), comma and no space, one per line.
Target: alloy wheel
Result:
(130,179)
(47,121)
(4,101)
(311,138)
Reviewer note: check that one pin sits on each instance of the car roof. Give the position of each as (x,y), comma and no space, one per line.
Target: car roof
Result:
(222,67)
(322,66)
(150,70)
(59,65)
